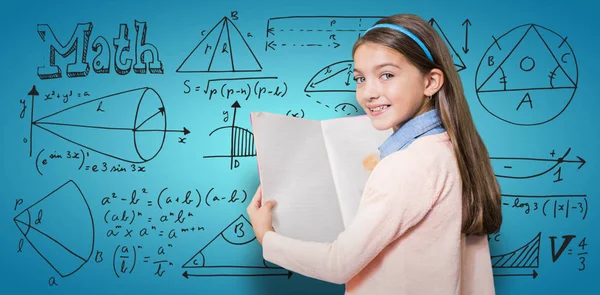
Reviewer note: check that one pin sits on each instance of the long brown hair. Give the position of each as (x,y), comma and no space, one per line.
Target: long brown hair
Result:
(481,210)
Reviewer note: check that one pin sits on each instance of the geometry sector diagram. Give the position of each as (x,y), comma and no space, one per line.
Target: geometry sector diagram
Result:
(458,62)
(223,49)
(528,76)
(336,77)
(60,228)
(129,126)
(231,253)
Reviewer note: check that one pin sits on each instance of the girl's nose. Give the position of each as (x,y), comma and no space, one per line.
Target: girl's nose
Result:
(371,91)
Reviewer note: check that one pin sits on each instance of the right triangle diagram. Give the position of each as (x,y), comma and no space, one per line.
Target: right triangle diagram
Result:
(458,62)
(223,49)
(232,253)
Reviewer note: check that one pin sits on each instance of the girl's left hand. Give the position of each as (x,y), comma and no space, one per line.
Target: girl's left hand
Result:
(260,215)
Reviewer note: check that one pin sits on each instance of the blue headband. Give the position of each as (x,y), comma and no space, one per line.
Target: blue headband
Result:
(407,33)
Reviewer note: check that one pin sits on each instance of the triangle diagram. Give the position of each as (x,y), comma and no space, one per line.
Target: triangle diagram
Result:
(530,65)
(458,62)
(232,253)
(223,49)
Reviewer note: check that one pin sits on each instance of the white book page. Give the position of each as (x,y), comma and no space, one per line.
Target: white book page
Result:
(349,142)
(294,170)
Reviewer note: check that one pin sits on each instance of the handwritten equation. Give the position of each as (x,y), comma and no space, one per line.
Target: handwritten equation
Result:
(238,88)
(554,206)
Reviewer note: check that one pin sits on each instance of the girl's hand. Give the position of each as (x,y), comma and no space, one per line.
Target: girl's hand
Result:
(260,215)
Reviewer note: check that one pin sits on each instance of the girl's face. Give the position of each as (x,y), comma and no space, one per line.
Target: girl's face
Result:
(388,87)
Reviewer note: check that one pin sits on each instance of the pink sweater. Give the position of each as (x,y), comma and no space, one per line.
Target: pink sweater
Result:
(406,237)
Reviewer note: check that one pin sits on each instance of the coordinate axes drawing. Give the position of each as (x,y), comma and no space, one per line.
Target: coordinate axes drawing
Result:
(130,126)
(241,141)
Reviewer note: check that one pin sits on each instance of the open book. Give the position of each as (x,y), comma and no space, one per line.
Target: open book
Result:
(316,170)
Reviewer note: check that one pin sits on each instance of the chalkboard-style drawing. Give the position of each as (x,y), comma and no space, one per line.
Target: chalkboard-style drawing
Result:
(524,168)
(315,32)
(336,77)
(60,228)
(232,253)
(130,126)
(526,256)
(458,62)
(348,109)
(223,49)
(295,113)
(528,76)
(129,52)
(555,206)
(241,141)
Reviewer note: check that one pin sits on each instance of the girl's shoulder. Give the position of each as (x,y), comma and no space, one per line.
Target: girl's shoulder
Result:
(427,155)
(426,166)
(424,151)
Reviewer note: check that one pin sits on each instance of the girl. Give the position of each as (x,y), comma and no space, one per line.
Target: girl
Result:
(423,219)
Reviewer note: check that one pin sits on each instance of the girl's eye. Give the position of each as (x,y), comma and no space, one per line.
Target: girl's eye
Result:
(359,79)
(387,76)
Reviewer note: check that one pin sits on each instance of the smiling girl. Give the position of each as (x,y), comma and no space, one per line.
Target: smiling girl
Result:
(424,216)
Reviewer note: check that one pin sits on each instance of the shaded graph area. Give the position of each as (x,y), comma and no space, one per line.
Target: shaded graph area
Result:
(336,77)
(60,228)
(223,49)
(526,256)
(457,60)
(130,126)
(527,76)
(241,141)
(232,253)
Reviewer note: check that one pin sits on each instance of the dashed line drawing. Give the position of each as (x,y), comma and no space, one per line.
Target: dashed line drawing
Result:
(347,108)
(458,62)
(528,76)
(314,32)
(60,228)
(235,239)
(242,141)
(223,49)
(130,126)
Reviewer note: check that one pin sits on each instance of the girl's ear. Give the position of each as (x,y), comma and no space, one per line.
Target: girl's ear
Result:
(434,80)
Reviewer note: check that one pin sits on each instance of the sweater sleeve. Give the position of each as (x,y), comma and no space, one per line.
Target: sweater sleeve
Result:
(399,193)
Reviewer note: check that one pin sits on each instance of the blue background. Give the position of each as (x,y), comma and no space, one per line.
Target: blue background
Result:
(174,29)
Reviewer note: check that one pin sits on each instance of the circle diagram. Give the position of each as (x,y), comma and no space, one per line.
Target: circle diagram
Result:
(528,76)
